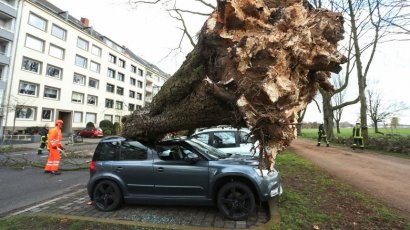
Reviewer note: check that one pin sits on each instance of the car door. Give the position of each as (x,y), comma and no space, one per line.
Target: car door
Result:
(134,167)
(178,177)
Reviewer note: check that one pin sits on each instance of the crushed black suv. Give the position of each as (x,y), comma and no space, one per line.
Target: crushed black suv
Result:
(177,172)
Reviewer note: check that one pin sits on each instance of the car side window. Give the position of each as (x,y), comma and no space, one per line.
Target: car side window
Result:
(133,151)
(202,137)
(170,153)
(224,139)
(107,151)
(245,137)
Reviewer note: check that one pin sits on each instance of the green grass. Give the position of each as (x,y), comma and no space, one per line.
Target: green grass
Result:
(313,198)
(347,132)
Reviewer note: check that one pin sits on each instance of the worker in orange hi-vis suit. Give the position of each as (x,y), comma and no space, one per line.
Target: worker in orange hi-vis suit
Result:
(54,144)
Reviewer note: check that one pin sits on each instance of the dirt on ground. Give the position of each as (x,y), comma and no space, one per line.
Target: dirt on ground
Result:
(385,177)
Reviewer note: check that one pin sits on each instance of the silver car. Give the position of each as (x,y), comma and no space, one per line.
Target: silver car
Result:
(177,172)
(230,140)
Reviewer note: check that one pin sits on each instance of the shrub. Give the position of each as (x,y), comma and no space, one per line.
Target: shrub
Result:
(107,126)
(117,128)
(33,130)
(90,125)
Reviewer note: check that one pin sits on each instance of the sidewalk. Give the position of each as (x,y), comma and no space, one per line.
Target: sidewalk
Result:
(77,205)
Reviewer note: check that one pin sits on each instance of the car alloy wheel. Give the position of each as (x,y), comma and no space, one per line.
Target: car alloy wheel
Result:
(107,196)
(236,200)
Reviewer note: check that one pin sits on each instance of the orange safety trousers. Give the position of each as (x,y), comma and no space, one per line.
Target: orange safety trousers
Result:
(53,161)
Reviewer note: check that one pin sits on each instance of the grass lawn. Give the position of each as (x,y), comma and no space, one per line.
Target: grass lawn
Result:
(314,200)
(347,132)
(311,200)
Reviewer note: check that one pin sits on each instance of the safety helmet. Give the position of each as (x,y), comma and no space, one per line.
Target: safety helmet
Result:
(59,122)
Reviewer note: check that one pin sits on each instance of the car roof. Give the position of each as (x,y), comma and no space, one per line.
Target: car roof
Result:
(222,128)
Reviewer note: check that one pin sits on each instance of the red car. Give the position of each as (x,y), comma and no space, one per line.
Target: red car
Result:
(93,132)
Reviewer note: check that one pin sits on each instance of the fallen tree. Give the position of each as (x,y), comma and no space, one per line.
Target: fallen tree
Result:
(256,64)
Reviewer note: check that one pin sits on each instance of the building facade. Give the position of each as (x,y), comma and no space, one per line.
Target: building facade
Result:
(64,69)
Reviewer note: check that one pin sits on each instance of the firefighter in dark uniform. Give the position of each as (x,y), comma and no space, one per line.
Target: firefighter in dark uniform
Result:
(322,134)
(43,141)
(358,136)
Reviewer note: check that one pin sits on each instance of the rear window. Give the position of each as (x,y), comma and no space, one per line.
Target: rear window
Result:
(107,151)
(120,150)
(133,150)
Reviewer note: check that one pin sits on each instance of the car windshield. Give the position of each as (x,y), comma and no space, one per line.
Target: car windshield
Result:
(207,149)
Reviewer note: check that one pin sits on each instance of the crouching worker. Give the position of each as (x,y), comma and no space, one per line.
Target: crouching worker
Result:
(43,142)
(54,144)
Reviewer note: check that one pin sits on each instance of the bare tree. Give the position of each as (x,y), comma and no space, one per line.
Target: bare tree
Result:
(369,23)
(379,112)
(338,99)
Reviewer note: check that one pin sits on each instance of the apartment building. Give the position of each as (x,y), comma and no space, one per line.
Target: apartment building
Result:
(64,69)
(8,21)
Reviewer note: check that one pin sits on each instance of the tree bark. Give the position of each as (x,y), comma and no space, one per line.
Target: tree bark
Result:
(256,64)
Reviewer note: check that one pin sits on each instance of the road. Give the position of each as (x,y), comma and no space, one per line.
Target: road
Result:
(384,177)
(23,187)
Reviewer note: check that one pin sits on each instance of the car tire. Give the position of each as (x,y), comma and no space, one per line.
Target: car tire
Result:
(107,196)
(236,200)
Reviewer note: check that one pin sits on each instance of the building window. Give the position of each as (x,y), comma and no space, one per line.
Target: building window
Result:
(31,65)
(133,69)
(132,94)
(117,118)
(26,113)
(50,92)
(140,72)
(93,83)
(110,88)
(118,105)
(139,96)
(96,50)
(56,52)
(138,107)
(79,79)
(78,117)
(112,58)
(149,74)
(53,71)
(131,107)
(92,100)
(34,43)
(80,61)
(91,117)
(109,103)
(77,98)
(108,117)
(58,32)
(132,81)
(120,90)
(26,88)
(111,73)
(120,77)
(140,84)
(37,22)
(82,44)
(94,66)
(47,115)
(121,63)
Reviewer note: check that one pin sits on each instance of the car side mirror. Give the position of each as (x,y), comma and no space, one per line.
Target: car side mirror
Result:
(192,157)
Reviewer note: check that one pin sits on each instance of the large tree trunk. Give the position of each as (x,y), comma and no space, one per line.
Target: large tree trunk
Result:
(256,64)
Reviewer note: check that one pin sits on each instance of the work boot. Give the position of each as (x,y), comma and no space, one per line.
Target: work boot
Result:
(318,144)
(327,145)
(55,173)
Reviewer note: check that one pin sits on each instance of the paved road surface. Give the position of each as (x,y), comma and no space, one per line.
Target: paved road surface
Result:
(384,177)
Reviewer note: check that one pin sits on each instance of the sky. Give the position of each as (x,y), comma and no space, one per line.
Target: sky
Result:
(150,33)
